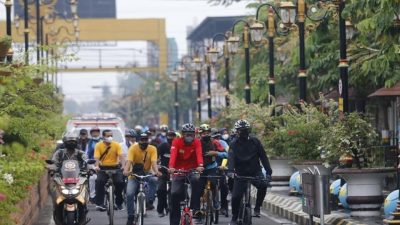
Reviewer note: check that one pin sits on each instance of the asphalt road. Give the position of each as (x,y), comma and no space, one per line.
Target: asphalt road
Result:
(100,218)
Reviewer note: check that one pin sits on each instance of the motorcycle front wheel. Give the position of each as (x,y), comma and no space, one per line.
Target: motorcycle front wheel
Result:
(70,218)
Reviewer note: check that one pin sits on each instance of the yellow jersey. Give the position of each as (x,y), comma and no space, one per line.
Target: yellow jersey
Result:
(137,155)
(111,159)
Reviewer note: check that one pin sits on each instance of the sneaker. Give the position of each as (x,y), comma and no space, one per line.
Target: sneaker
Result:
(224,211)
(197,214)
(233,222)
(101,208)
(131,220)
(161,215)
(92,200)
(120,207)
(256,212)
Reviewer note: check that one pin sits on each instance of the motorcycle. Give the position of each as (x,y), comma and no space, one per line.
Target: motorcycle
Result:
(70,193)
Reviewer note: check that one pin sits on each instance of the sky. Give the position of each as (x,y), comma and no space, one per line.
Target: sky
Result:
(179,14)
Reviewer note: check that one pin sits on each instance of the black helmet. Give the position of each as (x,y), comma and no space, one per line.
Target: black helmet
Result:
(171,133)
(204,127)
(188,127)
(215,132)
(68,137)
(242,124)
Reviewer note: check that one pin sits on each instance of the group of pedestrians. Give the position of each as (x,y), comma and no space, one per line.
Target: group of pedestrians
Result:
(162,153)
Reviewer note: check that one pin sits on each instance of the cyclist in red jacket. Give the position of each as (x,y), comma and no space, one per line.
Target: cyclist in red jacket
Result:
(186,154)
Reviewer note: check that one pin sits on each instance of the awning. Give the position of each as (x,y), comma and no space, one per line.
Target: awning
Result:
(384,92)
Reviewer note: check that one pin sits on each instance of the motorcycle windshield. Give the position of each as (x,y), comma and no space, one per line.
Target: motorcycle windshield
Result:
(70,171)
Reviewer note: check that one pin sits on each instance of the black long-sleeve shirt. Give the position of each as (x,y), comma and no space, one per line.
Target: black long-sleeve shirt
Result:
(164,152)
(245,155)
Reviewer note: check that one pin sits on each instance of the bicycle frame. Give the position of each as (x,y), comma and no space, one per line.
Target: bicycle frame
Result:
(140,199)
(186,213)
(109,192)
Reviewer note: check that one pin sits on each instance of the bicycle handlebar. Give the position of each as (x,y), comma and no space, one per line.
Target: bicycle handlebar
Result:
(141,176)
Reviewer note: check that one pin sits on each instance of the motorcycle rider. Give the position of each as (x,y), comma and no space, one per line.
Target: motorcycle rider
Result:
(164,151)
(186,154)
(70,152)
(245,154)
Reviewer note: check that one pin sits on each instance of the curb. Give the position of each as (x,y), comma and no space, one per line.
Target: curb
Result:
(291,208)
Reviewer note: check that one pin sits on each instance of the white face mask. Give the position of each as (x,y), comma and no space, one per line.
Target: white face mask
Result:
(108,139)
(163,134)
(95,138)
(225,136)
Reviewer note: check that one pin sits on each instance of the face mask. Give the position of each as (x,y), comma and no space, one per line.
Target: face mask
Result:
(108,139)
(244,134)
(70,145)
(143,146)
(163,134)
(206,138)
(96,138)
(225,136)
(188,139)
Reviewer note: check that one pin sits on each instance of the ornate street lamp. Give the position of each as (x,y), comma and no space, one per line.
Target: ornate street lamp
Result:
(157,86)
(350,30)
(174,78)
(8,5)
(288,16)
(233,41)
(213,55)
(257,32)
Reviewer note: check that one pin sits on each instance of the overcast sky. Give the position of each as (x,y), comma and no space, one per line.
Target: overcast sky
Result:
(179,14)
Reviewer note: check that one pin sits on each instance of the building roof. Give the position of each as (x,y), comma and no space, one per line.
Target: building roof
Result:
(382,92)
(211,26)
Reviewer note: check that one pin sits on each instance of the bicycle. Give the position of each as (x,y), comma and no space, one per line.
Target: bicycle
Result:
(141,198)
(110,194)
(211,213)
(186,213)
(245,215)
(168,206)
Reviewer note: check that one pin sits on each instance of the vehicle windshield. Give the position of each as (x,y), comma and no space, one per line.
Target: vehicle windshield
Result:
(117,134)
(70,169)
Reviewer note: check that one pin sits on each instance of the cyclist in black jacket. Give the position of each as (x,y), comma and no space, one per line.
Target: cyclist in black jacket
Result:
(164,155)
(245,155)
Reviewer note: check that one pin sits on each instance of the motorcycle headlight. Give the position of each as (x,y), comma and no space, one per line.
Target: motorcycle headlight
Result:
(75,191)
(64,191)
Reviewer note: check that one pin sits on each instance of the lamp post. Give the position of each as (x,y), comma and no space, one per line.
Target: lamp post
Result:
(213,55)
(26,31)
(8,5)
(257,30)
(197,68)
(174,78)
(288,16)
(233,45)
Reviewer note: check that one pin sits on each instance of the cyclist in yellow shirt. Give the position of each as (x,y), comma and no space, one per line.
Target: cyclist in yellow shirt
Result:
(108,155)
(142,159)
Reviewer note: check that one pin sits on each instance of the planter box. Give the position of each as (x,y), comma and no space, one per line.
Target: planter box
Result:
(364,189)
(281,172)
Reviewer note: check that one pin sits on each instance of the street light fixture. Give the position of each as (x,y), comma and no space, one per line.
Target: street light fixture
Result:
(213,54)
(233,44)
(74,7)
(288,13)
(157,86)
(350,30)
(257,30)
(174,78)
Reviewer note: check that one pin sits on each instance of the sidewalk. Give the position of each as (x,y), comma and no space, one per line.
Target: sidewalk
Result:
(289,207)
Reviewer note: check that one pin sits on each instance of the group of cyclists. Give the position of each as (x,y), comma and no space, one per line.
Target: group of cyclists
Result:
(164,152)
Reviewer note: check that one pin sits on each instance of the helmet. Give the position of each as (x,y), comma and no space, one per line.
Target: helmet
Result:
(70,137)
(130,133)
(204,127)
(164,128)
(144,135)
(233,131)
(138,128)
(215,132)
(242,124)
(188,127)
(171,133)
(93,129)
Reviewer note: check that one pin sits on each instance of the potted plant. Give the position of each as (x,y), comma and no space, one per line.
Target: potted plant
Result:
(347,144)
(301,135)
(5,44)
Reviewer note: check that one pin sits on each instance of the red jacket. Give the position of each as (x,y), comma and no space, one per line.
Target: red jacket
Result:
(184,156)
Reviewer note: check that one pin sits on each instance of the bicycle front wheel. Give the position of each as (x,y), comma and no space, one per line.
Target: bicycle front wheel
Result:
(110,205)
(140,208)
(209,209)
